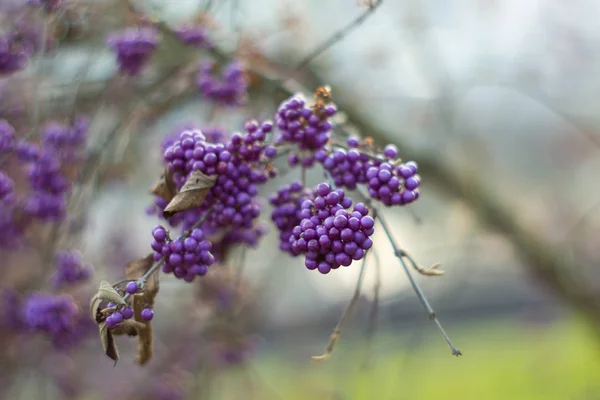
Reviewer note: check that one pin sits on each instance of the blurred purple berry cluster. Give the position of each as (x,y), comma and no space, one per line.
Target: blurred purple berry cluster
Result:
(133,47)
(230,89)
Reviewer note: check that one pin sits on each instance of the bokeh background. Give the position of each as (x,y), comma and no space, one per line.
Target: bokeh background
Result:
(496,100)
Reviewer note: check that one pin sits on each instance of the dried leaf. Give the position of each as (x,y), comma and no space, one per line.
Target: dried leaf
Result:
(192,193)
(108,342)
(136,269)
(105,292)
(165,186)
(128,327)
(145,348)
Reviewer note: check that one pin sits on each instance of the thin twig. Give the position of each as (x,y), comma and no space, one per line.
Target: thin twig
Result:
(422,299)
(374,312)
(142,281)
(335,335)
(339,35)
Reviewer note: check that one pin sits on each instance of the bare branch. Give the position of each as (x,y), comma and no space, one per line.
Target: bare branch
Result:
(422,299)
(339,35)
(335,335)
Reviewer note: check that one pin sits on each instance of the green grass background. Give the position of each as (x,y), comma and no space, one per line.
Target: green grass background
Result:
(502,360)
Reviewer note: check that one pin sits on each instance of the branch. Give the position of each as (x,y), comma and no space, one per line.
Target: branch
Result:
(544,259)
(339,35)
(422,299)
(335,335)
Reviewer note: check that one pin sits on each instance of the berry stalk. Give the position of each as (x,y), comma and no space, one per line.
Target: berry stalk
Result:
(142,281)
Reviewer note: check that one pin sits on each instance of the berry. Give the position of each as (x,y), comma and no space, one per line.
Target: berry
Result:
(147,314)
(131,287)
(127,312)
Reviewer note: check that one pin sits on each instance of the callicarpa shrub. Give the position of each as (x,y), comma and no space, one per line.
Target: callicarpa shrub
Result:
(207,204)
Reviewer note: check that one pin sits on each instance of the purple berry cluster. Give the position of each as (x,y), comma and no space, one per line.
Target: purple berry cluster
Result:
(185,258)
(387,180)
(194,35)
(7,137)
(133,47)
(307,126)
(231,89)
(13,55)
(237,163)
(66,142)
(286,204)
(393,185)
(51,314)
(346,168)
(61,145)
(70,269)
(328,235)
(7,189)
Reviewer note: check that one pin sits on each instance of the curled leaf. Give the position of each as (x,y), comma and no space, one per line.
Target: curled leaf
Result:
(136,269)
(191,195)
(108,342)
(145,347)
(165,186)
(105,293)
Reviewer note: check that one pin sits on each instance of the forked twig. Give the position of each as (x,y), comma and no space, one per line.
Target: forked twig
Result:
(335,335)
(422,299)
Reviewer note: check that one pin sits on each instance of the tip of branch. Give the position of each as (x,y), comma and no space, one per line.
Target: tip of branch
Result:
(432,271)
(322,357)
(456,352)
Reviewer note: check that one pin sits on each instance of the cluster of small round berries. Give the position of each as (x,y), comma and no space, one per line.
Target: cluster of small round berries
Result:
(7,137)
(307,126)
(286,211)
(133,47)
(393,185)
(70,269)
(14,56)
(51,314)
(66,142)
(328,235)
(347,168)
(231,89)
(231,199)
(387,180)
(122,313)
(194,35)
(185,258)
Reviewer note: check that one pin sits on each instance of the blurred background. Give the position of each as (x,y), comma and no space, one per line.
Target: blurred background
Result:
(496,101)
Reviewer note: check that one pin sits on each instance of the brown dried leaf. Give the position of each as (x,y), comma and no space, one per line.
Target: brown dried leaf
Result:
(191,195)
(165,186)
(128,327)
(136,269)
(145,348)
(105,292)
(108,342)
